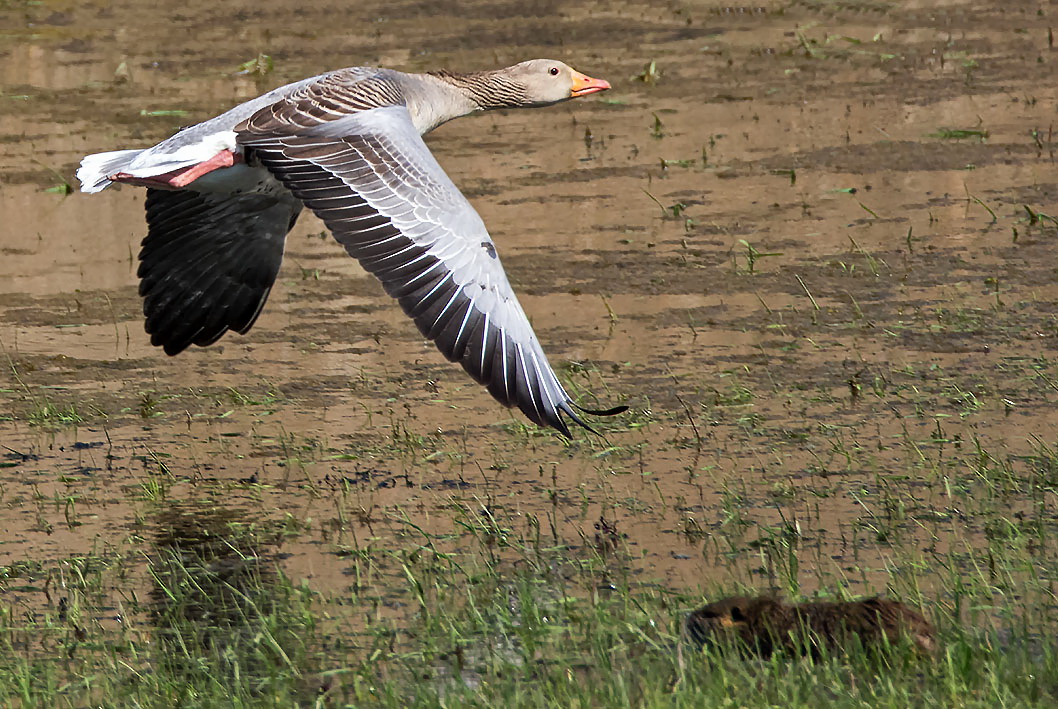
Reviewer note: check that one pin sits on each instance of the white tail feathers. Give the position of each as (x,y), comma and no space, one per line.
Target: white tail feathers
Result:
(172,154)
(95,170)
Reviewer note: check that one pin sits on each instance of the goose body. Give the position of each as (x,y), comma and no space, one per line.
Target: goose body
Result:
(223,194)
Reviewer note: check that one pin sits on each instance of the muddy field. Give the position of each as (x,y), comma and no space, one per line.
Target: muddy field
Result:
(808,243)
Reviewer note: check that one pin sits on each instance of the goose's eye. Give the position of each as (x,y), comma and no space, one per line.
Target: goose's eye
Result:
(553,71)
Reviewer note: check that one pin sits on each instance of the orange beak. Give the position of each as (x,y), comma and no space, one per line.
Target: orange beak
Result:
(584,85)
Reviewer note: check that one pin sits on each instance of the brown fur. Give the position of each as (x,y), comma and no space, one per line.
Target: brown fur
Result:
(766,625)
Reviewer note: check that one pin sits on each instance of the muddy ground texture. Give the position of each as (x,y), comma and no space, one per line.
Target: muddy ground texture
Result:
(810,244)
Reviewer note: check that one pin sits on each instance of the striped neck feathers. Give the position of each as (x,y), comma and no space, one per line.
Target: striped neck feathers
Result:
(487,89)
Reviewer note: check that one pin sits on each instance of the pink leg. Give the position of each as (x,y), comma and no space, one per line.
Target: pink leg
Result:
(183,177)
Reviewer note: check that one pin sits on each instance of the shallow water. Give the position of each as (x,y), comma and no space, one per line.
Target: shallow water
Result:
(770,250)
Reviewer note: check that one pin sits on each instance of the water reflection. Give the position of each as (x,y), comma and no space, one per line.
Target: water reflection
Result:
(224,615)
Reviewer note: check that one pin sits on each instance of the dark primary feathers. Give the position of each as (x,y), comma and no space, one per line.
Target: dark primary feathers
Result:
(208,263)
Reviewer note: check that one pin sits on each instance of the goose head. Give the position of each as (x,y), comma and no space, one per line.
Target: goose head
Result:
(547,81)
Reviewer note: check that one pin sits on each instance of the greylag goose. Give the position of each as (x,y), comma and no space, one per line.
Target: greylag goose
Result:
(222,196)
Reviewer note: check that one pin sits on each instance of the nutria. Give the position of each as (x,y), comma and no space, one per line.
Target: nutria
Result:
(764,625)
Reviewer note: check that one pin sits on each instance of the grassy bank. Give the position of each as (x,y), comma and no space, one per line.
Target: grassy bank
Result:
(500,612)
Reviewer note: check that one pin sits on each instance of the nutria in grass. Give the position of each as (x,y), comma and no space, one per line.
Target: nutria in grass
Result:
(764,625)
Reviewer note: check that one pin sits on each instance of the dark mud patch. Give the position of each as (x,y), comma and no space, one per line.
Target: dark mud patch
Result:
(904,156)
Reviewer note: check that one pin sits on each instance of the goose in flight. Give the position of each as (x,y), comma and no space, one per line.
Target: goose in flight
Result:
(222,196)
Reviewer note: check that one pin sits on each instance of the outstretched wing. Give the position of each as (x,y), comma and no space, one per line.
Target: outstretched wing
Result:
(371,179)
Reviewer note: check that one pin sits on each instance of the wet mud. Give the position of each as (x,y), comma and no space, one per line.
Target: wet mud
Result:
(811,248)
